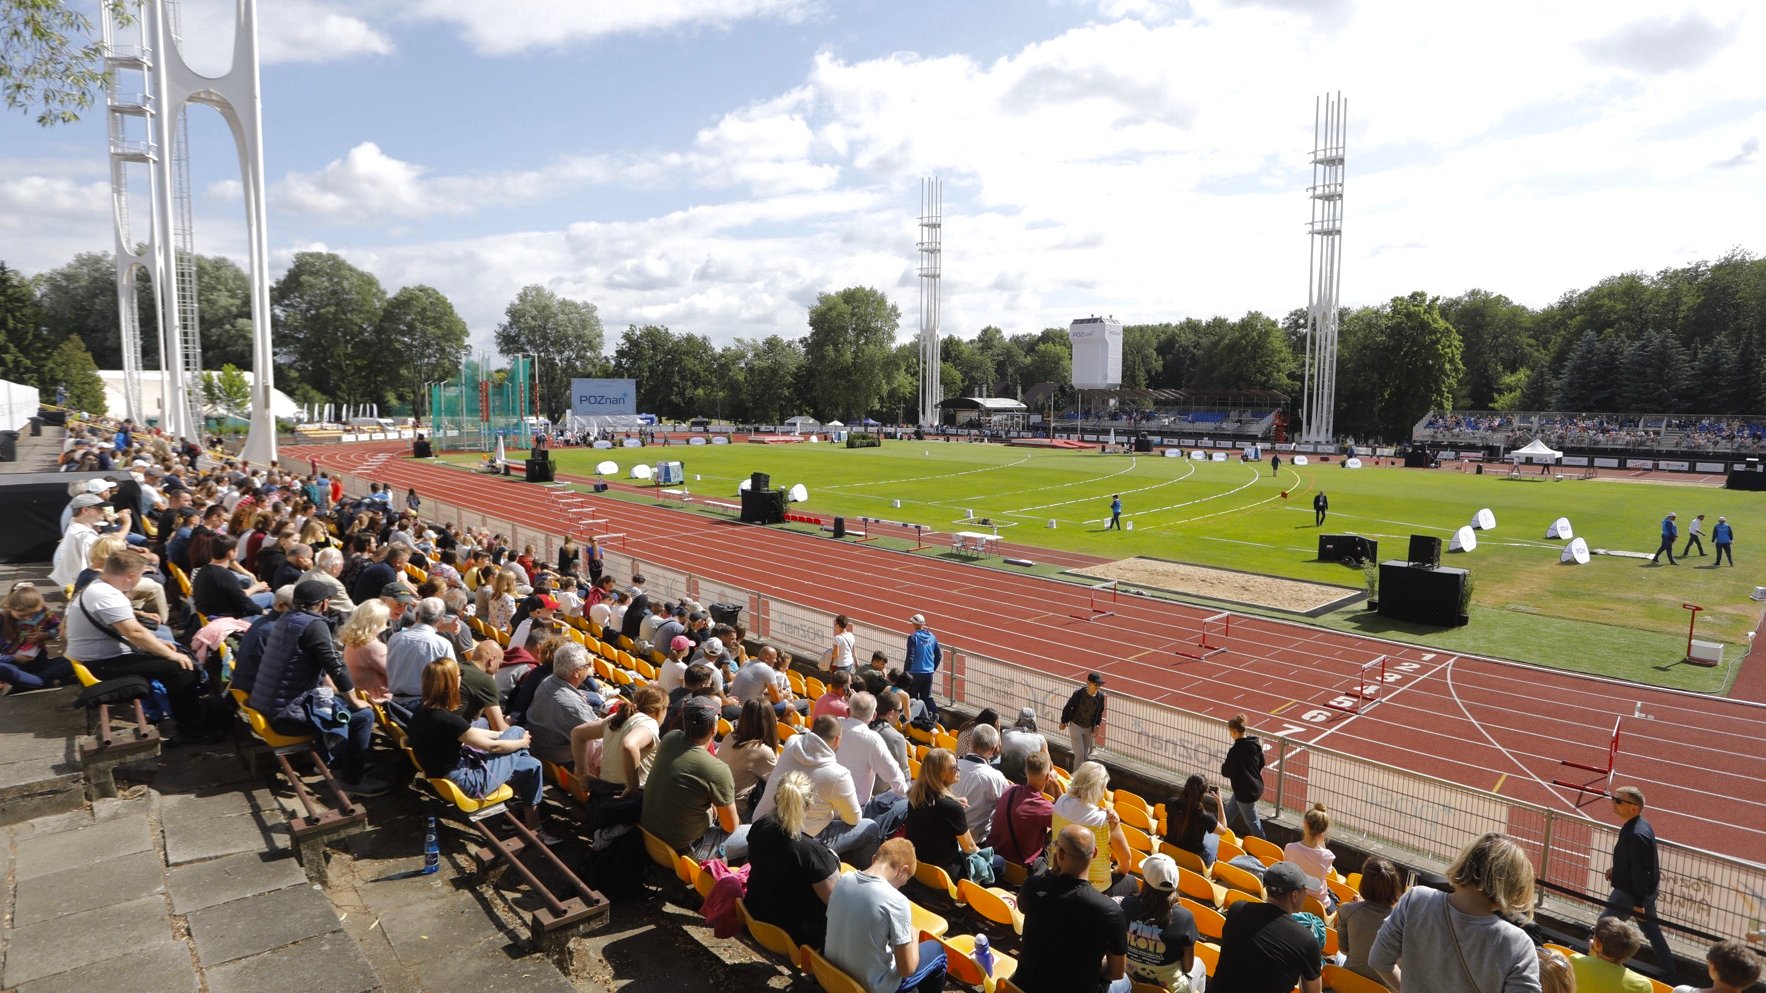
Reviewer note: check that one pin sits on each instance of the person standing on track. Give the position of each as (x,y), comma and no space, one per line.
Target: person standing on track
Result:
(1082,716)
(1669,533)
(1723,536)
(1115,512)
(1320,506)
(1636,875)
(922,662)
(1275,463)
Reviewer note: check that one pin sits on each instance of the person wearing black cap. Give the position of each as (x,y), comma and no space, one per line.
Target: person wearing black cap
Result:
(1262,947)
(1082,716)
(288,690)
(686,781)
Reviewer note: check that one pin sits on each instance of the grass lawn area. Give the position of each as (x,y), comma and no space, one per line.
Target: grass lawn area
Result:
(1615,616)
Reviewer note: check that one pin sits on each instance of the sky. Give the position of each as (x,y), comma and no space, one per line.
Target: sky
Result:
(713,165)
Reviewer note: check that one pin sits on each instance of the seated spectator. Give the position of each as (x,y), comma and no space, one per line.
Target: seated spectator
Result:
(751,751)
(1359,922)
(86,517)
(540,622)
(327,566)
(478,681)
(1732,965)
(936,822)
(1602,970)
(250,654)
(439,735)
(224,589)
(834,817)
(672,674)
(790,875)
(1492,884)
(102,633)
(1161,932)
(833,703)
(375,577)
(887,724)
(979,785)
(686,784)
(1021,818)
(1555,974)
(1192,818)
(296,562)
(364,654)
(26,630)
(1018,742)
(409,652)
(987,716)
(288,692)
(871,934)
(628,745)
(1075,938)
(561,718)
(1262,947)
(1312,854)
(1087,804)
(863,754)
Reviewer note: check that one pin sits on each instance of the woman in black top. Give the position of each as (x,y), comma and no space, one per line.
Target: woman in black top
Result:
(791,875)
(935,823)
(440,738)
(1192,817)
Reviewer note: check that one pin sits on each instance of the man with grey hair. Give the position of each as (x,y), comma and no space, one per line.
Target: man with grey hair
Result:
(464,643)
(863,753)
(408,651)
(979,785)
(561,718)
(327,566)
(1018,743)
(294,565)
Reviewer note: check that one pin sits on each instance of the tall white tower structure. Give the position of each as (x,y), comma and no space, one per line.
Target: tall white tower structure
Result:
(931,273)
(1325,278)
(149,87)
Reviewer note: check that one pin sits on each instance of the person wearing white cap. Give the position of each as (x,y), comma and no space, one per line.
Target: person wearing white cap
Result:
(1162,932)
(86,513)
(921,662)
(100,488)
(1669,533)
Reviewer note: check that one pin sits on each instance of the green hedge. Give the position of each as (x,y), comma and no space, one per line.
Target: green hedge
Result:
(860,439)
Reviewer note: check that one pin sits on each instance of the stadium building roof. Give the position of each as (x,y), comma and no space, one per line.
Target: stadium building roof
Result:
(991,405)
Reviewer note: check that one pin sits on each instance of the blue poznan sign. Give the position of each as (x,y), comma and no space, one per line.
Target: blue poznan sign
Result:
(591,397)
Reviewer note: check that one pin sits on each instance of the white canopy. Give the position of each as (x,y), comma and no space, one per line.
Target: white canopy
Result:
(1536,449)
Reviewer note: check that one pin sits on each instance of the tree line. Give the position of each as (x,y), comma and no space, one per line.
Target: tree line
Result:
(1684,340)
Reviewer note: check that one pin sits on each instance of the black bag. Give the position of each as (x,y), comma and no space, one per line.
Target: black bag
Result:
(617,871)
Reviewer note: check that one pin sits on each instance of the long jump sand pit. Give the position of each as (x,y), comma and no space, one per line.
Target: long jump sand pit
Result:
(1245,588)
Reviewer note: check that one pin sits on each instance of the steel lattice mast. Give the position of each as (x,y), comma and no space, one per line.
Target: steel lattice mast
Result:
(931,247)
(1325,270)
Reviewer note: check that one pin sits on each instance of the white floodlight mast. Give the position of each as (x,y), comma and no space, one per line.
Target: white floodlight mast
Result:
(931,246)
(1324,269)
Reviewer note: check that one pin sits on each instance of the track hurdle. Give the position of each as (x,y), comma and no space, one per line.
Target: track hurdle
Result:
(1370,688)
(1223,622)
(1594,788)
(1100,607)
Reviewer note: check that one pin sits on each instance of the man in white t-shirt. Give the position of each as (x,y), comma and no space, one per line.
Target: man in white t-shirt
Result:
(841,652)
(102,633)
(978,782)
(78,538)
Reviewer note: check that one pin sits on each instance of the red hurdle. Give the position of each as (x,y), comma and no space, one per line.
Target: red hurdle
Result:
(1204,648)
(1370,687)
(1108,609)
(1589,787)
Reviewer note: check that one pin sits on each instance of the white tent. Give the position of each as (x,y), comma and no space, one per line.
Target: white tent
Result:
(802,423)
(1536,451)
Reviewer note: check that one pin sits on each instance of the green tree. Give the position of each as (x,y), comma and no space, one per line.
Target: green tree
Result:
(1423,363)
(50,60)
(327,328)
(426,336)
(851,333)
(1050,362)
(565,334)
(1496,336)
(223,297)
(21,330)
(642,354)
(228,392)
(1588,382)
(70,365)
(1250,353)
(770,389)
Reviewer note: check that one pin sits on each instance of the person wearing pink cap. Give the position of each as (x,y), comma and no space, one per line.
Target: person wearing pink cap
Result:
(673,673)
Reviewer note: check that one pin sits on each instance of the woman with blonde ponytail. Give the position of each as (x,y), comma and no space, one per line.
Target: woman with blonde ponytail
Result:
(1311,852)
(791,875)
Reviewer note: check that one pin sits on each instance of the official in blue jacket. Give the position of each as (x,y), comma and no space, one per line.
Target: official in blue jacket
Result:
(922,661)
(1723,536)
(1669,532)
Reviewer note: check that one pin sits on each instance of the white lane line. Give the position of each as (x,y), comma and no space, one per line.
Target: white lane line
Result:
(1454,692)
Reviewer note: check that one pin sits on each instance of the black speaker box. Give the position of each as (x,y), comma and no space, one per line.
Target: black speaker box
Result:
(539,470)
(763,507)
(420,449)
(1417,458)
(1338,547)
(1427,596)
(725,613)
(600,487)
(1425,550)
(760,481)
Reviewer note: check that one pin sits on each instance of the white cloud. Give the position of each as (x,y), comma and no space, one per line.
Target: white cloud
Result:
(516,25)
(289,31)
(368,186)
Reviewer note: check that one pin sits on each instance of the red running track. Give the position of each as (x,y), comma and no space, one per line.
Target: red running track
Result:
(1479,722)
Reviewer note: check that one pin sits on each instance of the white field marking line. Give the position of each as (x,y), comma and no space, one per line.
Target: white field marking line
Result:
(1256,544)
(918,479)
(1255,476)
(1025,511)
(1044,489)
(1352,718)
(1454,691)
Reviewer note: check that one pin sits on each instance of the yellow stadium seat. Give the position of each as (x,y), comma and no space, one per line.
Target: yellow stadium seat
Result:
(771,937)
(1209,921)
(937,880)
(1264,851)
(959,953)
(828,975)
(1200,888)
(992,903)
(1344,981)
(1233,877)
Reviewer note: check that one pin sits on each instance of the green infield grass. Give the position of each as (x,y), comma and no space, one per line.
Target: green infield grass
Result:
(1615,616)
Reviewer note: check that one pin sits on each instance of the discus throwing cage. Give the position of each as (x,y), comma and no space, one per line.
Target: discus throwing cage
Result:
(1205,646)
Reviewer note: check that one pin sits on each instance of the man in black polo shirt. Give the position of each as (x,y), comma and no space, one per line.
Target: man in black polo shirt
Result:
(1075,938)
(1262,948)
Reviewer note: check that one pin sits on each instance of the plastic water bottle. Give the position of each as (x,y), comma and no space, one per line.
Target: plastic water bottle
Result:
(431,850)
(984,954)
